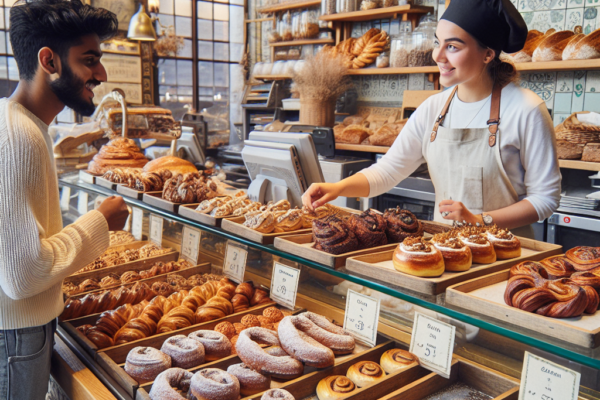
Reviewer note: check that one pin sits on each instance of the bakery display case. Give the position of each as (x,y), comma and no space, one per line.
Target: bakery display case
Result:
(489,345)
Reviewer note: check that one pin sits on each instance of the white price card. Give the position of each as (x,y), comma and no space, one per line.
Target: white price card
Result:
(362,317)
(156,229)
(137,223)
(190,244)
(65,198)
(284,285)
(235,263)
(544,380)
(433,342)
(82,202)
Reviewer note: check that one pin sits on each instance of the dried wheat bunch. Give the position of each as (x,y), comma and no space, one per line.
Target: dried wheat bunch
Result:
(323,76)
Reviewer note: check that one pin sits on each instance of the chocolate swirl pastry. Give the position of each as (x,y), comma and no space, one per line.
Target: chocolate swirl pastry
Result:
(557,267)
(401,224)
(333,236)
(584,258)
(369,228)
(335,387)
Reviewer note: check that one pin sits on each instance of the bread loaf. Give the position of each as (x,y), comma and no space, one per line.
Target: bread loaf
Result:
(173,164)
(568,151)
(587,47)
(591,152)
(353,134)
(534,38)
(552,47)
(384,136)
(569,51)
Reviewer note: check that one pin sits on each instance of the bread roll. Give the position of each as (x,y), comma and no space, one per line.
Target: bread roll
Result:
(585,48)
(415,257)
(173,164)
(552,47)
(591,152)
(569,151)
(353,134)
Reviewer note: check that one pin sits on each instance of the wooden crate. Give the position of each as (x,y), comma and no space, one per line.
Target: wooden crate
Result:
(235,225)
(156,200)
(485,296)
(105,183)
(134,194)
(380,266)
(189,211)
(499,386)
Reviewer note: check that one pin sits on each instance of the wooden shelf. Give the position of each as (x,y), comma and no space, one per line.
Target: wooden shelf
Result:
(272,77)
(302,42)
(377,13)
(578,164)
(569,65)
(360,147)
(289,6)
(394,71)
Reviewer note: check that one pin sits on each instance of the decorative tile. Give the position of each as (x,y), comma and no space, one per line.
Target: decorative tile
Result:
(564,82)
(591,102)
(560,118)
(515,3)
(590,16)
(528,17)
(592,3)
(541,5)
(558,19)
(575,3)
(578,91)
(562,103)
(592,82)
(416,81)
(544,85)
(574,18)
(543,20)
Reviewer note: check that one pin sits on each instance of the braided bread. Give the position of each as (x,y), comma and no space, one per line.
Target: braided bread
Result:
(371,51)
(361,43)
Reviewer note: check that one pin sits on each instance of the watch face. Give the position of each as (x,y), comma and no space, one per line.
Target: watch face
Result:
(487,219)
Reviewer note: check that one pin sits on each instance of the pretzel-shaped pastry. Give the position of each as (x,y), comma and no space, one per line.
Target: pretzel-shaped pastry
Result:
(557,267)
(584,258)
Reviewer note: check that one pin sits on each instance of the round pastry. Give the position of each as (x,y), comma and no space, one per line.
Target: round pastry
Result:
(333,236)
(249,321)
(415,257)
(273,313)
(557,267)
(335,387)
(482,250)
(184,352)
(117,153)
(145,363)
(251,382)
(365,373)
(170,163)
(168,384)
(214,384)
(250,352)
(401,224)
(216,345)
(397,359)
(277,394)
(584,258)
(457,256)
(226,328)
(506,245)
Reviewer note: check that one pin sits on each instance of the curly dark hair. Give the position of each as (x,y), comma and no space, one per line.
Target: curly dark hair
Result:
(57,24)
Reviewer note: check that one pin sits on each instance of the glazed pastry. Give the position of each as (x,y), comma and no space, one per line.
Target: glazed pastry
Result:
(335,387)
(587,279)
(395,360)
(277,394)
(170,383)
(110,280)
(457,256)
(369,228)
(260,297)
(216,345)
(250,352)
(401,224)
(333,236)
(214,384)
(415,257)
(177,318)
(506,245)
(145,363)
(251,382)
(365,373)
(584,258)
(184,352)
(557,267)
(291,221)
(482,250)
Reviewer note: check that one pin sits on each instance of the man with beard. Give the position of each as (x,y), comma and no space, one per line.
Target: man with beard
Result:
(56,44)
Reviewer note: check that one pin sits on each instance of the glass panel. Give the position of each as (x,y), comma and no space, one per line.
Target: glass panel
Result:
(166,20)
(236,26)
(1,18)
(237,2)
(13,70)
(184,90)
(221,30)
(205,74)
(3,68)
(205,91)
(205,29)
(221,12)
(2,42)
(184,72)
(7,18)
(222,51)
(205,10)
(222,1)
(167,72)
(205,50)
(235,50)
(183,8)
(166,7)
(221,75)
(183,26)
(186,51)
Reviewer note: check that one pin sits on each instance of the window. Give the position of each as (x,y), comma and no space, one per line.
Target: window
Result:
(9,73)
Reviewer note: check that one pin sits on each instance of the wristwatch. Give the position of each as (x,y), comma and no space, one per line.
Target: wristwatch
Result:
(487,219)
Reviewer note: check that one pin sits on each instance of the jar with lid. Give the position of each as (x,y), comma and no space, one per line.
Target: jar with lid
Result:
(275,35)
(285,27)
(369,4)
(296,29)
(328,7)
(421,53)
(383,60)
(401,45)
(344,6)
(309,24)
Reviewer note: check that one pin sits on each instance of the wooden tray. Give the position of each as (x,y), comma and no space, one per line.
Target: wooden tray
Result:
(301,245)
(134,194)
(499,386)
(485,296)
(189,211)
(105,183)
(87,177)
(156,200)
(379,266)
(235,225)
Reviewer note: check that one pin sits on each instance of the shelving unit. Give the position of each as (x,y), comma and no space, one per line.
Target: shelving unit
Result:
(578,164)
(302,42)
(360,147)
(377,13)
(289,6)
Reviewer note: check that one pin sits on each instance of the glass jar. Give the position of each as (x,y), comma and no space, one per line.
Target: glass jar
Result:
(309,24)
(383,60)
(417,55)
(344,6)
(328,7)
(275,35)
(296,29)
(370,4)
(400,48)
(285,30)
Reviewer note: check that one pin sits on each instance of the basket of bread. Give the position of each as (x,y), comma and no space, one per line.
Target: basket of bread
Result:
(578,137)
(370,129)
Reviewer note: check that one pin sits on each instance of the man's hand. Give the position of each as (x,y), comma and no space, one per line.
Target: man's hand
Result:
(115,211)
(456,211)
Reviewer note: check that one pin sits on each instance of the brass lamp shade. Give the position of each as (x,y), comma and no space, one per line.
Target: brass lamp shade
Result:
(140,26)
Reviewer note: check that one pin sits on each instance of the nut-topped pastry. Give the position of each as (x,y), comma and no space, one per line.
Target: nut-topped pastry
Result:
(506,245)
(318,213)
(401,224)
(457,255)
(416,257)
(333,236)
(369,228)
(291,221)
(476,239)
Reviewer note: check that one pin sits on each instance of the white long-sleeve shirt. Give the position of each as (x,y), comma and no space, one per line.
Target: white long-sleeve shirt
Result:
(36,253)
(527,144)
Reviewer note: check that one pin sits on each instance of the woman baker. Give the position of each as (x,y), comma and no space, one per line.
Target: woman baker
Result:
(488,143)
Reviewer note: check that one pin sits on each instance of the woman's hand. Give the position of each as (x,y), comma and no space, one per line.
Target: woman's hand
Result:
(456,211)
(319,194)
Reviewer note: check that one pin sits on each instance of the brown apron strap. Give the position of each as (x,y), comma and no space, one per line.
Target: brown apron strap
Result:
(494,120)
(442,115)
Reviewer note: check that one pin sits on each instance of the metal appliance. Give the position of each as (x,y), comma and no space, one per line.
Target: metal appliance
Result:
(337,168)
(571,230)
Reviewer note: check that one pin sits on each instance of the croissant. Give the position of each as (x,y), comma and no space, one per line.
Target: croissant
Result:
(260,297)
(369,228)
(333,236)
(99,338)
(177,318)
(138,328)
(240,303)
(221,304)
(204,314)
(246,289)
(401,224)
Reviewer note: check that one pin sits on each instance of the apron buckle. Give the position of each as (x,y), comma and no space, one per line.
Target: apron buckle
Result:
(492,140)
(433,136)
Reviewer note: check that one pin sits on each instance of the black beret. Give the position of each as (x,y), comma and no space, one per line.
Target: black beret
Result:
(495,23)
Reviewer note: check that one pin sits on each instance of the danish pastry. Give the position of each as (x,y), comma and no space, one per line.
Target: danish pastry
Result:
(557,267)
(335,387)
(457,256)
(506,245)
(365,373)
(415,257)
(584,258)
(369,228)
(481,249)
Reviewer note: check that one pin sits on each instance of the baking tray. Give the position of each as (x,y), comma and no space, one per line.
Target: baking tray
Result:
(235,225)
(105,183)
(156,200)
(189,211)
(87,177)
(485,296)
(134,194)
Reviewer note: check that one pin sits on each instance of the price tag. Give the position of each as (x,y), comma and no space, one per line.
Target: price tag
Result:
(156,229)
(362,317)
(190,244)
(65,198)
(235,263)
(544,380)
(82,203)
(433,342)
(284,285)
(137,223)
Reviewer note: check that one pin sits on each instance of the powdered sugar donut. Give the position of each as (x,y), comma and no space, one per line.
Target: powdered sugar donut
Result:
(214,384)
(251,382)
(168,382)
(184,352)
(300,345)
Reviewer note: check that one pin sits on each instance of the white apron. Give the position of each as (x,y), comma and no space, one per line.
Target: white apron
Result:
(465,166)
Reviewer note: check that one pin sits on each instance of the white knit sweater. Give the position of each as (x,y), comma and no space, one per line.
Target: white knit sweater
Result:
(36,253)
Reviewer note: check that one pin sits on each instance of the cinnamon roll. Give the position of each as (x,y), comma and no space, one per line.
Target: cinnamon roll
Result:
(557,267)
(457,256)
(481,249)
(170,383)
(369,228)
(145,363)
(395,360)
(184,352)
(416,257)
(335,387)
(365,373)
(333,236)
(584,258)
(214,384)
(506,245)
(401,224)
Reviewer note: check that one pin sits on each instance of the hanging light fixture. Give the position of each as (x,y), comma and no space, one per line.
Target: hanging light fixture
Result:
(153,6)
(140,26)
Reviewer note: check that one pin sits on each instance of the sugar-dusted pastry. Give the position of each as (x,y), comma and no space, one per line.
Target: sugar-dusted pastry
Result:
(262,221)
(476,238)
(506,245)
(333,236)
(208,205)
(369,228)
(416,257)
(291,221)
(401,224)
(457,255)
